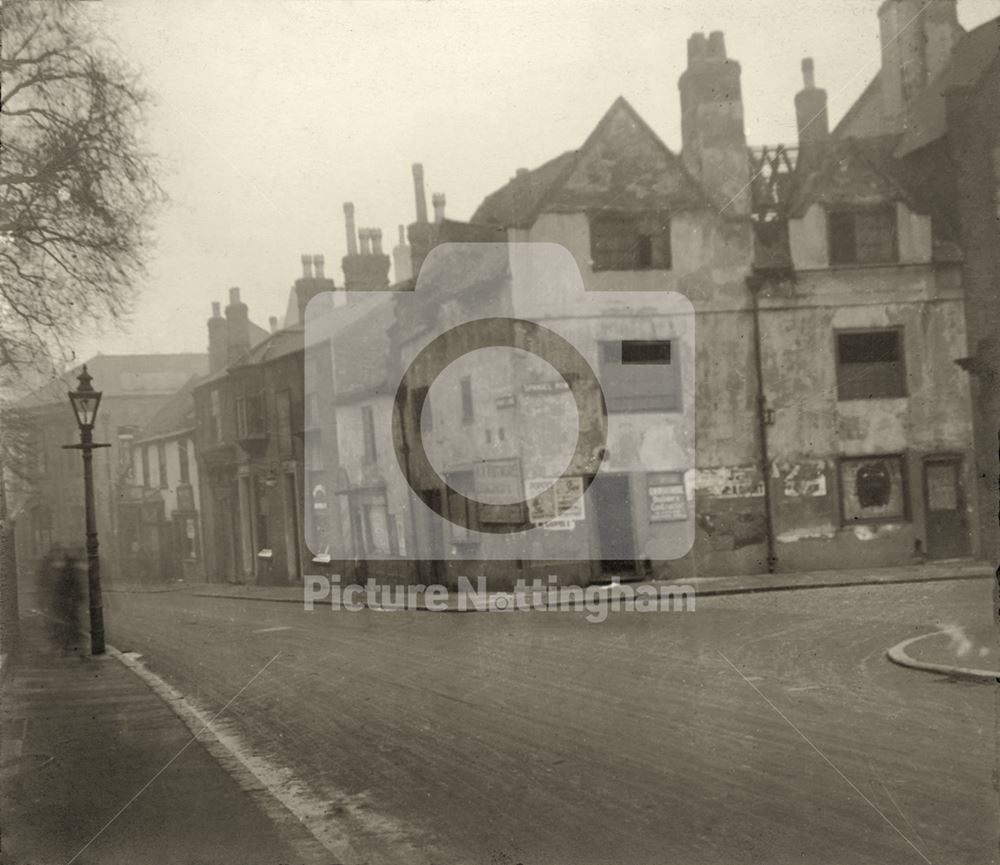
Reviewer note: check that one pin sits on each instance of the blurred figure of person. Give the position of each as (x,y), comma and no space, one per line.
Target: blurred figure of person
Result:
(60,573)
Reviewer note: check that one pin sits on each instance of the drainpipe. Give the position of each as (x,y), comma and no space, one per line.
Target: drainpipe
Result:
(755,283)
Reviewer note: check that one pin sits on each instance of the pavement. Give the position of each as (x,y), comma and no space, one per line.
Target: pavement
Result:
(79,729)
(457,601)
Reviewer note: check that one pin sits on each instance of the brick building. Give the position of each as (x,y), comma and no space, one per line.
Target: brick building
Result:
(832,427)
(135,388)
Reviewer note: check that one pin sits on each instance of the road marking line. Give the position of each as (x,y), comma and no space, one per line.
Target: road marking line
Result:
(805,688)
(271,630)
(809,742)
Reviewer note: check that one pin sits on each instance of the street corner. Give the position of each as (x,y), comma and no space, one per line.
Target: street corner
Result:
(953,650)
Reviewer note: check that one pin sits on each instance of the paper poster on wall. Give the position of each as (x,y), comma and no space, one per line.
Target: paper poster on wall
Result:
(557,503)
(667,497)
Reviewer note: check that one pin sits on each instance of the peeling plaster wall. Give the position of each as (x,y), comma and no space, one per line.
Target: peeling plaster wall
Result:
(812,429)
(711,259)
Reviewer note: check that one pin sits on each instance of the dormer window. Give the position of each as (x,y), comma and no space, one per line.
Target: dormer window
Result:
(862,235)
(630,241)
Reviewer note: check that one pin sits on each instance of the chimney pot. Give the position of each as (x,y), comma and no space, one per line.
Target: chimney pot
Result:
(418,191)
(438,200)
(352,239)
(808,74)
(234,296)
(717,45)
(318,265)
(376,236)
(216,309)
(697,47)
(307,267)
(365,236)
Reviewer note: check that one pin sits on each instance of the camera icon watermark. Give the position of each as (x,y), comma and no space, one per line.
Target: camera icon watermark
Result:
(500,411)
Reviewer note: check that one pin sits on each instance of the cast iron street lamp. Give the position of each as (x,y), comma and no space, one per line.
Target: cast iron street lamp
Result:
(85,401)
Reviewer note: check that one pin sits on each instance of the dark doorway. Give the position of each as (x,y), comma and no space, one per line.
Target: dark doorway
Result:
(612,498)
(944,500)
(431,569)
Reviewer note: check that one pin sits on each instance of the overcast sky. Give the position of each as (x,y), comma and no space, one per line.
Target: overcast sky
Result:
(269,115)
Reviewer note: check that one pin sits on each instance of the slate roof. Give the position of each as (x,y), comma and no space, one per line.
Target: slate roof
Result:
(623,165)
(176,415)
(850,171)
(866,171)
(124,375)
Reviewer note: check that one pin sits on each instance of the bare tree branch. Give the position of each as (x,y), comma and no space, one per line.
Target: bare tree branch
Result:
(77,188)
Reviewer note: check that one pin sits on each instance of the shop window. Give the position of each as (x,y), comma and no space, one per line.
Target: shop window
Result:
(873,489)
(870,364)
(640,375)
(865,236)
(630,241)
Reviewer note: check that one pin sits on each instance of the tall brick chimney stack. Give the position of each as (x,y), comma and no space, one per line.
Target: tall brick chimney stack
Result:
(918,37)
(237,328)
(810,107)
(311,283)
(714,141)
(367,270)
(420,233)
(218,354)
(438,201)
(401,263)
(418,192)
(352,239)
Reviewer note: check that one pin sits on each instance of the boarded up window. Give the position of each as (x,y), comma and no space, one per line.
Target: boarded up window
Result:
(870,364)
(873,489)
(863,236)
(630,241)
(640,375)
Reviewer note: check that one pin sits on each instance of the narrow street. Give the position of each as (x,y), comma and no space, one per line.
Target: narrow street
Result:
(760,728)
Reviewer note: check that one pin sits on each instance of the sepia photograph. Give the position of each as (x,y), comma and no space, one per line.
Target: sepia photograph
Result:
(502,432)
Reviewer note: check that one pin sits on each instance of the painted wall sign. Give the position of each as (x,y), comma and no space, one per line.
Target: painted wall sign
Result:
(536,388)
(497,481)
